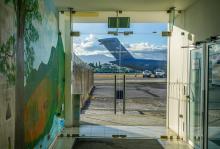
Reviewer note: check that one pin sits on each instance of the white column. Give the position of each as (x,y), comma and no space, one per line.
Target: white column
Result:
(68,74)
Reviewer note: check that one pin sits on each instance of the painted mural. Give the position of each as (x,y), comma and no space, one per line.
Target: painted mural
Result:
(7,73)
(44,97)
(7,40)
(44,61)
(44,75)
(33,18)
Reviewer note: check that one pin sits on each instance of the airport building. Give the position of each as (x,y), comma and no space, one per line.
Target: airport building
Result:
(51,98)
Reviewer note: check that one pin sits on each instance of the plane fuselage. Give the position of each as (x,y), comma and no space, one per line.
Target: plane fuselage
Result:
(141,64)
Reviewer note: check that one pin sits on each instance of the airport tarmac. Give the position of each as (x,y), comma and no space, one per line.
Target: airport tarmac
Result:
(145,102)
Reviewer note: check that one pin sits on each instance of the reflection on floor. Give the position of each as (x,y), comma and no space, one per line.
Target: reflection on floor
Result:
(67,139)
(109,143)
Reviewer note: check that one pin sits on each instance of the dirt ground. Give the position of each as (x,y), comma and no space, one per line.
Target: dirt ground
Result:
(145,102)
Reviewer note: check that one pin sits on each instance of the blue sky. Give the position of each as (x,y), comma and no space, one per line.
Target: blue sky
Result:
(142,44)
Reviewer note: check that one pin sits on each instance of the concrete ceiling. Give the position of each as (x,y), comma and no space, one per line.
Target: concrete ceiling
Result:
(125,5)
(135,16)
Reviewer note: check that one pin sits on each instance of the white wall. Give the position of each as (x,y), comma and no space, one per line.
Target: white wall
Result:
(178,77)
(202,21)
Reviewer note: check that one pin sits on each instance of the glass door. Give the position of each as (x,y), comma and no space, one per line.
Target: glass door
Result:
(141,76)
(213,90)
(129,66)
(91,49)
(195,92)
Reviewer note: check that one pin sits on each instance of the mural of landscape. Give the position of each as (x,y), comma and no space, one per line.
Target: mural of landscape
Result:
(7,73)
(44,74)
(44,97)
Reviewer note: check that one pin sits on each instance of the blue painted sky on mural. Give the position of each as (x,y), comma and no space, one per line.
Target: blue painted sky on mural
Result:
(144,43)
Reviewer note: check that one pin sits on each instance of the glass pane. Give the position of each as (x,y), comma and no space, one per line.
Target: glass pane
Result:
(144,49)
(196,70)
(143,62)
(214,97)
(99,108)
(120,86)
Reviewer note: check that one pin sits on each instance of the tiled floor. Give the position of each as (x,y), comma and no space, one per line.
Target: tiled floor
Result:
(108,131)
(167,144)
(91,131)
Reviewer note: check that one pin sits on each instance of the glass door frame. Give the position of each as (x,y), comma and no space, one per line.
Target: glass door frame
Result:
(117,85)
(205,95)
(120,79)
(206,105)
(201,47)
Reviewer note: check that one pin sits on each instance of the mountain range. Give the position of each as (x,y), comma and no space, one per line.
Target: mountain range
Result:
(96,58)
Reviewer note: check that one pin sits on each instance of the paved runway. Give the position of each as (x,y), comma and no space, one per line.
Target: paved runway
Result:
(145,102)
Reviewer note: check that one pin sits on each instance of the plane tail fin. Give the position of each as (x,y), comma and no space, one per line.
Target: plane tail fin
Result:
(116,48)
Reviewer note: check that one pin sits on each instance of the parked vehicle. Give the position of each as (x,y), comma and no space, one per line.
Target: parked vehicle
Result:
(160,73)
(147,74)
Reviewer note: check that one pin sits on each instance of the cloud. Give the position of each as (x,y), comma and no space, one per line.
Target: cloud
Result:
(145,50)
(144,46)
(88,46)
